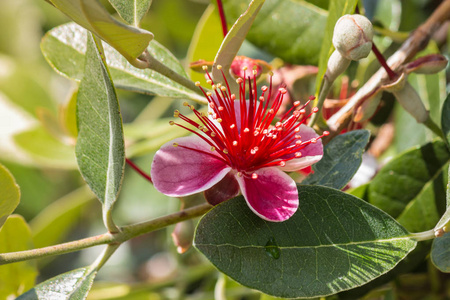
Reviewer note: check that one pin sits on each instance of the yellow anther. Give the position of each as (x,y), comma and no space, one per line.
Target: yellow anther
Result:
(208,94)
(223,89)
(282,163)
(197,83)
(297,154)
(219,120)
(175,144)
(246,130)
(205,68)
(212,148)
(213,134)
(219,67)
(219,85)
(185,104)
(235,143)
(244,68)
(209,81)
(225,151)
(254,176)
(171,122)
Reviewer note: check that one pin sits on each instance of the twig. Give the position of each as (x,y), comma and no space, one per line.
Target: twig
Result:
(126,233)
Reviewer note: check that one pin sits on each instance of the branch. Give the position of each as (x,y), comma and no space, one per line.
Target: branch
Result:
(126,233)
(416,42)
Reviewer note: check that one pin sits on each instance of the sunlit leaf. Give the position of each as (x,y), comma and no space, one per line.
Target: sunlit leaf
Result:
(71,285)
(234,39)
(341,159)
(16,278)
(53,223)
(132,11)
(129,41)
(404,177)
(440,253)
(44,149)
(206,40)
(100,145)
(64,47)
(9,196)
(334,242)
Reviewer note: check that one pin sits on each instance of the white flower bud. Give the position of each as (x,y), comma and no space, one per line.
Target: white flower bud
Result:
(352,36)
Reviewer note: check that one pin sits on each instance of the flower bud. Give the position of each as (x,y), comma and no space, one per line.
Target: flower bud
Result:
(408,98)
(428,64)
(353,36)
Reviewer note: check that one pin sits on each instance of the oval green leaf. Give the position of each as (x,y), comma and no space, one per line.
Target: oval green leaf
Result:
(290,29)
(333,243)
(128,40)
(440,253)
(71,285)
(9,196)
(64,48)
(100,147)
(132,11)
(403,178)
(15,278)
(341,159)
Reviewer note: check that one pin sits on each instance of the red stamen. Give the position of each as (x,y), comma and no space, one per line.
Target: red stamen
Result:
(137,169)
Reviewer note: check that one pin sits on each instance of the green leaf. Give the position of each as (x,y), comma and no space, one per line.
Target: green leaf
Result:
(440,253)
(55,221)
(334,242)
(9,196)
(71,285)
(290,29)
(132,11)
(445,119)
(337,9)
(18,277)
(64,47)
(403,178)
(206,40)
(341,159)
(424,211)
(100,146)
(233,41)
(44,149)
(127,40)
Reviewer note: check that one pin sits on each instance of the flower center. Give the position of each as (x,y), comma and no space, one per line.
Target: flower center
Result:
(246,133)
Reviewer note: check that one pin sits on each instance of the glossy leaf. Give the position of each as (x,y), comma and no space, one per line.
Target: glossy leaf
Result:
(206,40)
(440,253)
(424,211)
(55,221)
(341,159)
(445,121)
(18,277)
(71,285)
(337,9)
(44,149)
(292,30)
(64,47)
(333,243)
(132,11)
(100,145)
(233,41)
(403,178)
(9,196)
(129,41)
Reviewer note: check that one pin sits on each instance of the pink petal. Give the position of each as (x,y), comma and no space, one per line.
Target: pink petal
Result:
(225,189)
(177,171)
(310,154)
(273,195)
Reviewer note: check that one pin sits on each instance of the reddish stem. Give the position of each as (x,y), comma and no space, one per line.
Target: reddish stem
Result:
(382,61)
(137,169)
(222,17)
